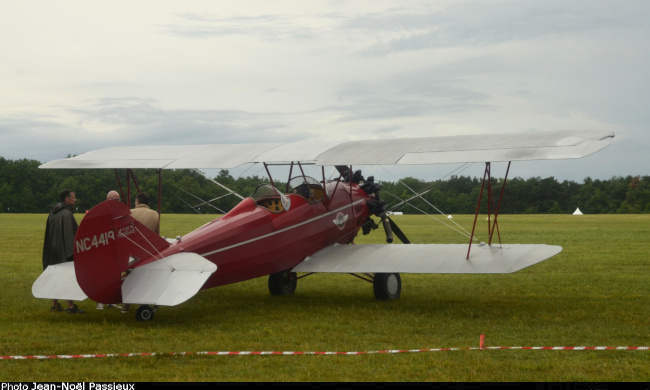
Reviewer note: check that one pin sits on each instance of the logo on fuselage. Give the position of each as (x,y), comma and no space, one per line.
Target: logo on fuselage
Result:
(340,220)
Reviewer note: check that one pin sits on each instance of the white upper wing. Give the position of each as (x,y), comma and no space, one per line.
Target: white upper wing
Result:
(403,151)
(165,156)
(468,149)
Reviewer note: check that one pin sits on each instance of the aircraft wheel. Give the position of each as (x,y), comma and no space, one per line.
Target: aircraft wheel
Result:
(387,286)
(144,313)
(283,283)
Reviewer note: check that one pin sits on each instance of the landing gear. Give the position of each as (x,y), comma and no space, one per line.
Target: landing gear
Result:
(387,286)
(145,313)
(283,283)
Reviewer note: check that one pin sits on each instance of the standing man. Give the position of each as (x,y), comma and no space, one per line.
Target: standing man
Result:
(146,216)
(113,195)
(143,214)
(58,245)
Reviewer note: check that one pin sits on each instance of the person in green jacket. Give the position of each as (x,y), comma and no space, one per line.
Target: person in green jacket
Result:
(58,246)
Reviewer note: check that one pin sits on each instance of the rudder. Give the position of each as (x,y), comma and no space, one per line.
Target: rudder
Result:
(107,240)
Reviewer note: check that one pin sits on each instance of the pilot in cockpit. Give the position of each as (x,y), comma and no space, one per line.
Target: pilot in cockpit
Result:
(303,190)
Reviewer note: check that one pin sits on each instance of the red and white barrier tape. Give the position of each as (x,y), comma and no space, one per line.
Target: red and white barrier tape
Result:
(576,348)
(481,347)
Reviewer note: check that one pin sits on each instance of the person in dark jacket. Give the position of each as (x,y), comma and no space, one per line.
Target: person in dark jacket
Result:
(58,245)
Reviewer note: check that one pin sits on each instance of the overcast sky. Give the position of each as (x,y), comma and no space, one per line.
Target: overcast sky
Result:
(82,75)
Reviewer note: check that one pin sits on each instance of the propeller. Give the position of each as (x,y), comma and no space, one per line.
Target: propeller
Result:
(398,232)
(377,207)
(391,227)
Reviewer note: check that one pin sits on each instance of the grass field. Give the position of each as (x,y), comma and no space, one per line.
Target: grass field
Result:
(596,292)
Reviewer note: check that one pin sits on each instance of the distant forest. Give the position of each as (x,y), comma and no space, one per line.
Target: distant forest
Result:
(26,189)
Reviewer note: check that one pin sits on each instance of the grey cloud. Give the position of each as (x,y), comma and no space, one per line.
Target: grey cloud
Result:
(384,108)
(394,19)
(134,121)
(445,82)
(266,27)
(473,24)
(480,23)
(132,116)
(426,91)
(34,137)
(376,109)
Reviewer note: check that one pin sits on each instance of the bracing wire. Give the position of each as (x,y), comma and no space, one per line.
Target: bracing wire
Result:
(148,242)
(219,184)
(245,170)
(181,199)
(462,230)
(204,201)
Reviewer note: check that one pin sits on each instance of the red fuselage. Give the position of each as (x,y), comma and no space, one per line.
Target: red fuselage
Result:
(254,240)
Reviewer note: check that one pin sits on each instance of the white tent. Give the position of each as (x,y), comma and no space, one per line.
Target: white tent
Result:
(577,212)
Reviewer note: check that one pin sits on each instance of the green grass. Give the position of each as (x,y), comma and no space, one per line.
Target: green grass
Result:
(594,293)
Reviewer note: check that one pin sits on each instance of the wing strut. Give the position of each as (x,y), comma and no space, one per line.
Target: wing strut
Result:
(496,213)
(131,176)
(492,226)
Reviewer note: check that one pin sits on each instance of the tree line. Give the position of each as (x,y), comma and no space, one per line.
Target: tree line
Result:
(26,189)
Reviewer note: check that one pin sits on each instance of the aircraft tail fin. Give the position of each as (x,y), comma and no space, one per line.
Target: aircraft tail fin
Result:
(109,241)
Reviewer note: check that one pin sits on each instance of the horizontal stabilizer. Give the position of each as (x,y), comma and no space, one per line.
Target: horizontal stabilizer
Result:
(426,258)
(58,282)
(169,281)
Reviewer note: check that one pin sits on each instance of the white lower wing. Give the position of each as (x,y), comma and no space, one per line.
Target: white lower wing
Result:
(58,282)
(169,281)
(426,258)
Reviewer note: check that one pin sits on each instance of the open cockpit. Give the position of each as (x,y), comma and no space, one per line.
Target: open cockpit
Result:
(267,196)
(307,187)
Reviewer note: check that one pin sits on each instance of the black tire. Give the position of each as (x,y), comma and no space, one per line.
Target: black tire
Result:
(283,283)
(387,286)
(144,313)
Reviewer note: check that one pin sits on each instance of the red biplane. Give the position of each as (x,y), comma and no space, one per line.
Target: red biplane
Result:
(307,227)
